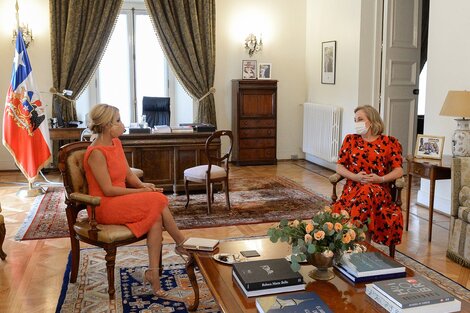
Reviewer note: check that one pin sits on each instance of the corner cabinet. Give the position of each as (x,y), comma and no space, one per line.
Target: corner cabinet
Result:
(254,106)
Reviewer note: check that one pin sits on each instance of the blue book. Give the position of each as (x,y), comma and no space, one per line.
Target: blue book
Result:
(300,302)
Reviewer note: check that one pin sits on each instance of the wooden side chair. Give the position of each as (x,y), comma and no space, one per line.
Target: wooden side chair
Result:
(396,188)
(212,172)
(108,237)
(3,255)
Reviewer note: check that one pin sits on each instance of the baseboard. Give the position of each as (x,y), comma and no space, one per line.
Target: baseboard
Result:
(321,162)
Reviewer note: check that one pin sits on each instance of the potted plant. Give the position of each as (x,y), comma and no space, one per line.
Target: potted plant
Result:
(319,240)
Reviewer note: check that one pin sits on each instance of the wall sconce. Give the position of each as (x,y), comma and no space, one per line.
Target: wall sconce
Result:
(252,44)
(27,35)
(457,103)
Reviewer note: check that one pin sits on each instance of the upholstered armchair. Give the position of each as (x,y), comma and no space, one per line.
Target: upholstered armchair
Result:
(157,110)
(458,248)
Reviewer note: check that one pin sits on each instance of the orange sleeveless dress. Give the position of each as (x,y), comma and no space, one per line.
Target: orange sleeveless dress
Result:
(138,211)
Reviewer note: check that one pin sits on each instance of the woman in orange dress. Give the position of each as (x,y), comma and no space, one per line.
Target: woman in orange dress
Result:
(369,160)
(125,199)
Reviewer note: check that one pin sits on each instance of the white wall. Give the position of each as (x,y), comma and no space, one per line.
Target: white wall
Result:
(39,52)
(282,24)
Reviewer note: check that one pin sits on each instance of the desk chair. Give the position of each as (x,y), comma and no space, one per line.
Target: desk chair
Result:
(3,255)
(157,110)
(108,237)
(395,186)
(211,172)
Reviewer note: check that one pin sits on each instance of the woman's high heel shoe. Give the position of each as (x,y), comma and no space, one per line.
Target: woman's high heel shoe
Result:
(182,252)
(145,279)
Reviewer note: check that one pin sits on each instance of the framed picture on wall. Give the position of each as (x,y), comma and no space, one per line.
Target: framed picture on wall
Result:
(248,69)
(429,147)
(264,70)
(328,61)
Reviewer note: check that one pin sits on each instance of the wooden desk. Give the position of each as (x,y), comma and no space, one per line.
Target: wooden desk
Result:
(339,293)
(164,157)
(429,169)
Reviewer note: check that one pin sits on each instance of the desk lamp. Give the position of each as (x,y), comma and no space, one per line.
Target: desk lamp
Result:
(457,104)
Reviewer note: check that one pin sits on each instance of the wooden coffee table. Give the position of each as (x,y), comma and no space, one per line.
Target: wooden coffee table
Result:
(339,293)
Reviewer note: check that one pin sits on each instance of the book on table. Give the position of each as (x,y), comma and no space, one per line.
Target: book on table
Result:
(298,302)
(412,294)
(204,244)
(370,278)
(262,277)
(367,264)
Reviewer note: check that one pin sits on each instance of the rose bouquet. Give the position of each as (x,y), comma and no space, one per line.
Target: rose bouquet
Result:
(328,233)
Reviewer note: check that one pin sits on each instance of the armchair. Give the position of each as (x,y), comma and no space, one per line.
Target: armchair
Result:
(396,188)
(458,248)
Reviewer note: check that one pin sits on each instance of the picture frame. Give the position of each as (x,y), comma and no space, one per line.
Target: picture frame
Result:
(328,62)
(249,69)
(264,70)
(429,147)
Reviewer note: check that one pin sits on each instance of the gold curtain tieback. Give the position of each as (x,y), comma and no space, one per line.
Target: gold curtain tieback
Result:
(211,90)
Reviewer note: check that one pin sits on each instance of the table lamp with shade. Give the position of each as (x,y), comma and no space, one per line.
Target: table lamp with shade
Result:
(457,104)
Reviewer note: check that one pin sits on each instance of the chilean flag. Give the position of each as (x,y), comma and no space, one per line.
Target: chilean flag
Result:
(25,128)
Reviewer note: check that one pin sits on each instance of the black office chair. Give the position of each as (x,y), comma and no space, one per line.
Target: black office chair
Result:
(157,110)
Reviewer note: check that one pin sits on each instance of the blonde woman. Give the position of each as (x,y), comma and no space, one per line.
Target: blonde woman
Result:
(369,160)
(124,198)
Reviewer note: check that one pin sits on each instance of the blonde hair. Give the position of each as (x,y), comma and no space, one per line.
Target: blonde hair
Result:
(100,116)
(377,125)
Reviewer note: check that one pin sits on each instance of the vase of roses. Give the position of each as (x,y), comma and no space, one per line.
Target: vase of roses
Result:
(321,240)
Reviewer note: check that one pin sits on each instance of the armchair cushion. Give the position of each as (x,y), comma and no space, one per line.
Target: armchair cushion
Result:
(464,214)
(107,233)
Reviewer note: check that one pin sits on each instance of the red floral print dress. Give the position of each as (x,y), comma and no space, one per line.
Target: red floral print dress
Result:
(372,203)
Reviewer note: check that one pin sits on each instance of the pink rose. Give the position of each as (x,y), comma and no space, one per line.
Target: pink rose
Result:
(346,238)
(295,223)
(345,213)
(319,235)
(352,233)
(329,225)
(308,238)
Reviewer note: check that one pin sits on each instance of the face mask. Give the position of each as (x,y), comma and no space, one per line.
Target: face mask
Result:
(361,128)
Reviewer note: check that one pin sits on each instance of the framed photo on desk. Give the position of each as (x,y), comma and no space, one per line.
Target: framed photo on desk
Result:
(429,147)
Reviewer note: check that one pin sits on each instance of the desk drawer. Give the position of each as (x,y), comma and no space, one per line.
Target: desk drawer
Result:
(257,154)
(258,143)
(256,133)
(252,123)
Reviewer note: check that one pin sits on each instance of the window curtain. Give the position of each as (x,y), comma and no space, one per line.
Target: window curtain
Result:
(80,31)
(186,30)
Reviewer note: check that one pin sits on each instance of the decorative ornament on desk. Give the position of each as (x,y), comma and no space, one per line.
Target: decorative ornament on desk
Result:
(319,241)
(457,104)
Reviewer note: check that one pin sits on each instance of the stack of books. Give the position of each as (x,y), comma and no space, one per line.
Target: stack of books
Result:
(412,294)
(202,244)
(262,277)
(369,266)
(299,302)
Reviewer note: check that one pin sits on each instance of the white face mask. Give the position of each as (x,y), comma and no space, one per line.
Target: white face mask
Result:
(361,128)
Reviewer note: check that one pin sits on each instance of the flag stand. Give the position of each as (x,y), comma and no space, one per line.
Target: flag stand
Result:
(30,191)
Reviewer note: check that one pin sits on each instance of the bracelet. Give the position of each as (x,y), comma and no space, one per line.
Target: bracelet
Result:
(383,179)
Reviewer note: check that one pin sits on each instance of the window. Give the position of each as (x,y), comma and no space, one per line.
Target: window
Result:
(134,66)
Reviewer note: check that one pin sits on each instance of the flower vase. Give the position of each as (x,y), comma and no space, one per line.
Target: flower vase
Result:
(323,266)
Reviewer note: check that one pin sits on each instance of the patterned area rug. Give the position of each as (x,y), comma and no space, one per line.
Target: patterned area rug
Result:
(90,292)
(253,200)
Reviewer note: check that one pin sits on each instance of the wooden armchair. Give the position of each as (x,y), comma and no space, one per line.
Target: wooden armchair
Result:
(396,188)
(108,237)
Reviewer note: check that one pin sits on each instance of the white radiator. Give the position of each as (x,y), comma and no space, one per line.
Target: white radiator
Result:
(322,131)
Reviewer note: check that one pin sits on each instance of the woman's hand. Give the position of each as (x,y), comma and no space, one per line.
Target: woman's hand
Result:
(151,187)
(364,178)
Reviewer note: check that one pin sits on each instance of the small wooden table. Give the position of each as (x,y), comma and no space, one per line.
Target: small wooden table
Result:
(428,169)
(339,293)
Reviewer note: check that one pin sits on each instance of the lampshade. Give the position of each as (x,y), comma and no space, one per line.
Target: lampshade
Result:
(457,103)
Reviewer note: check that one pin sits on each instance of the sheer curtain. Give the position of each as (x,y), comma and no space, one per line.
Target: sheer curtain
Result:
(186,30)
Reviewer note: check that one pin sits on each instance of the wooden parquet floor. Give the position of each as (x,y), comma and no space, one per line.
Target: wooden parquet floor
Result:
(31,276)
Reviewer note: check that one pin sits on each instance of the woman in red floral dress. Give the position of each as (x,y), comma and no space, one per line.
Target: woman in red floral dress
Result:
(369,160)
